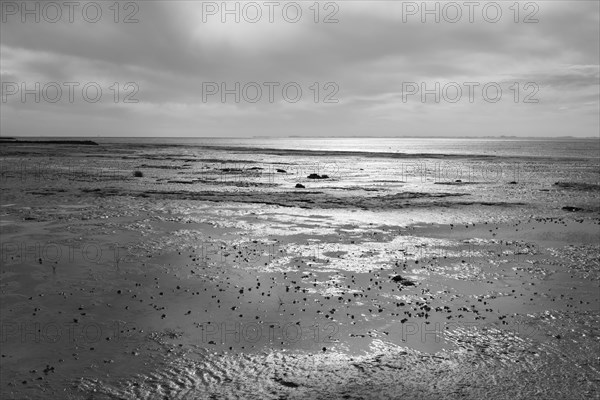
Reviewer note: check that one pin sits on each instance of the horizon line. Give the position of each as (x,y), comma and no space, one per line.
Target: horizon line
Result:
(310,137)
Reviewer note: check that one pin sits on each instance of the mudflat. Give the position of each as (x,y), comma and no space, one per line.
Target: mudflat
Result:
(150,272)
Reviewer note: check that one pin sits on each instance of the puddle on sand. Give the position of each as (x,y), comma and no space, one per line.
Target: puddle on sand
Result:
(193,306)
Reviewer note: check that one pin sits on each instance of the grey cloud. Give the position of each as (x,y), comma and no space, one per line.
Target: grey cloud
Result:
(170,53)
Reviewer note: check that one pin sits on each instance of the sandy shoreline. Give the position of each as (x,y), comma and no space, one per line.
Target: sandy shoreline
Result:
(120,287)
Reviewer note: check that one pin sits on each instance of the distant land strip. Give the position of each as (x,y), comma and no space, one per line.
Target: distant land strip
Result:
(79,142)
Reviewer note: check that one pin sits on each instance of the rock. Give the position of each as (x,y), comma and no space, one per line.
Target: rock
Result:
(317,176)
(299,186)
(403,281)
(572,209)
(512,183)
(286,383)
(283,171)
(458,180)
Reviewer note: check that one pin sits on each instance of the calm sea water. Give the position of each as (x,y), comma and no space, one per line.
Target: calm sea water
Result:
(578,148)
(559,148)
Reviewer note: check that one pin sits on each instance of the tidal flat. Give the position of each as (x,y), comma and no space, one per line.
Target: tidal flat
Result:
(210,274)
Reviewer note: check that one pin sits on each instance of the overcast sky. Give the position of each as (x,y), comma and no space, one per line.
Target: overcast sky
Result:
(370,68)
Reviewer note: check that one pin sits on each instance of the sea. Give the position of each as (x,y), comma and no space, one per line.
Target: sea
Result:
(588,148)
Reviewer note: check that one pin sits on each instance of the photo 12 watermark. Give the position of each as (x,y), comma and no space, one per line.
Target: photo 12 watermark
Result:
(52,12)
(56,255)
(453,12)
(253,12)
(437,332)
(481,252)
(74,332)
(36,171)
(69,92)
(456,172)
(241,171)
(266,332)
(112,256)
(471,92)
(271,92)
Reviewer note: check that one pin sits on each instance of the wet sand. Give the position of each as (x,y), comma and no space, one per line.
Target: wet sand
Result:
(209,276)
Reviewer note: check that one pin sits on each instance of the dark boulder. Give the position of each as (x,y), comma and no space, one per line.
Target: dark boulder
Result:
(403,281)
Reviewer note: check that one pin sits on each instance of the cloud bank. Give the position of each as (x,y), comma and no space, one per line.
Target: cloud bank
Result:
(345,68)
